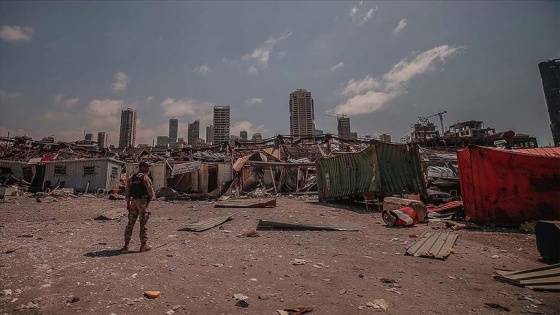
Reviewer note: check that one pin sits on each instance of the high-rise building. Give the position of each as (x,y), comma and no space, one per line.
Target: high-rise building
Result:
(257,137)
(385,138)
(319,132)
(353,136)
(302,113)
(221,124)
(162,141)
(550,75)
(88,136)
(194,133)
(173,129)
(127,136)
(102,140)
(243,135)
(210,134)
(344,127)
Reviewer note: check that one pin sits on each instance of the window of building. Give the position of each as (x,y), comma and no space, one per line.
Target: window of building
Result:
(114,171)
(89,170)
(59,170)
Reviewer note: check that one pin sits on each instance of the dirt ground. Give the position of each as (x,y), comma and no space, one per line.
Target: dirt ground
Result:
(62,253)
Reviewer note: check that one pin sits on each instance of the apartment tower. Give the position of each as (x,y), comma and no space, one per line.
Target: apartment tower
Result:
(194,133)
(302,114)
(344,127)
(102,140)
(127,136)
(209,134)
(173,129)
(221,124)
(550,75)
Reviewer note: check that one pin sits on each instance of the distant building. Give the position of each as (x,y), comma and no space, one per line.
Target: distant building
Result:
(221,124)
(102,140)
(180,144)
(88,136)
(127,136)
(162,141)
(200,142)
(143,145)
(353,136)
(550,75)
(243,135)
(343,127)
(232,139)
(472,128)
(385,138)
(210,134)
(49,139)
(319,132)
(173,129)
(256,137)
(421,132)
(194,133)
(302,114)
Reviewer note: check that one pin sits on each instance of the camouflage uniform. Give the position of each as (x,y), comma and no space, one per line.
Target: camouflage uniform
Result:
(138,208)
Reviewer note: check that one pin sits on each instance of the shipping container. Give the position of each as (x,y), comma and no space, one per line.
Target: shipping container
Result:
(507,188)
(382,168)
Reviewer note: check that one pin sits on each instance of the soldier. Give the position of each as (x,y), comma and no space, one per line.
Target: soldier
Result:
(139,192)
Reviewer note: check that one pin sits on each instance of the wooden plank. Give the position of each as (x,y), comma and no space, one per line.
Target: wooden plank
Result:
(447,246)
(550,287)
(531,270)
(413,248)
(537,274)
(427,246)
(437,247)
(541,281)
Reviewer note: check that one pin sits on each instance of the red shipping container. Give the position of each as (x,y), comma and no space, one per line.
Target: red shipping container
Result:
(506,188)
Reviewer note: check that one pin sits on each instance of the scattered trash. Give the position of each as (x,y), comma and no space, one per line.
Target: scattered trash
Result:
(403,217)
(497,307)
(297,262)
(7,292)
(531,299)
(382,303)
(171,268)
(295,311)
(239,296)
(371,304)
(242,303)
(386,280)
(266,296)
(112,214)
(74,299)
(152,294)
(495,256)
(116,197)
(252,234)
(417,208)
(218,265)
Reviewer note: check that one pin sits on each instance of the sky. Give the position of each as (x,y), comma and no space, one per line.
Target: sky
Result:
(67,68)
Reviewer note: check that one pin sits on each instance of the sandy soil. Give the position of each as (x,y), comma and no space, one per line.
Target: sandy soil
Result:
(62,253)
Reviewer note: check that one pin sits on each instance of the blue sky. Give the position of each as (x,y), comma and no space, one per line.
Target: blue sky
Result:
(66,67)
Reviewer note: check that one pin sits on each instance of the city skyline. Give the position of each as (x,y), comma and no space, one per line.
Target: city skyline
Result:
(381,63)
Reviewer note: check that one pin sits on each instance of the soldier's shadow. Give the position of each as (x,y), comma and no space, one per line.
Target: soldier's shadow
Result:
(109,253)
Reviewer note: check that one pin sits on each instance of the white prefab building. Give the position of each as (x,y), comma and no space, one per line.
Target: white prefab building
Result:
(87,175)
(158,171)
(19,170)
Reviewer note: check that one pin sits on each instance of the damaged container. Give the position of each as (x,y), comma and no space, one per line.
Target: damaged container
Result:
(382,168)
(507,188)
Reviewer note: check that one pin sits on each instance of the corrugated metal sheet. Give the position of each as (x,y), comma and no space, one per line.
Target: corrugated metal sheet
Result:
(207,224)
(105,176)
(265,224)
(15,166)
(505,188)
(382,168)
(225,173)
(548,151)
(433,245)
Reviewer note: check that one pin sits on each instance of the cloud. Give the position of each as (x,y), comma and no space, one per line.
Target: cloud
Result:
(355,87)
(254,101)
(338,66)
(381,90)
(59,99)
(149,99)
(16,33)
(260,56)
(8,95)
(353,11)
(183,107)
(121,81)
(56,116)
(368,15)
(281,54)
(203,69)
(250,128)
(104,112)
(400,27)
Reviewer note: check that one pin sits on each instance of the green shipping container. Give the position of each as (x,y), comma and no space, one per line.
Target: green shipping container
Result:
(382,168)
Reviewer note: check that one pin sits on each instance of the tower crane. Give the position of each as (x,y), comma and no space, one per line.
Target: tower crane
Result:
(440,114)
